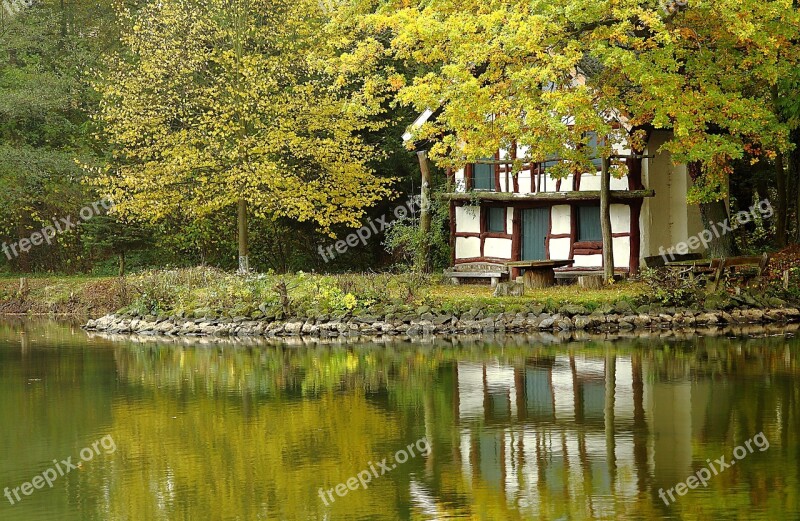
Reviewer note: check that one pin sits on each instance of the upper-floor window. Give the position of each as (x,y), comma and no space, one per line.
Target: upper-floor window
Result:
(483,176)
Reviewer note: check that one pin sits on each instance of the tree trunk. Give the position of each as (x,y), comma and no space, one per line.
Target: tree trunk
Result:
(794,172)
(122,264)
(722,244)
(244,258)
(425,209)
(605,221)
(783,199)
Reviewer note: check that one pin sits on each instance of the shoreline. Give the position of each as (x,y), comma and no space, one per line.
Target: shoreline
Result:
(430,323)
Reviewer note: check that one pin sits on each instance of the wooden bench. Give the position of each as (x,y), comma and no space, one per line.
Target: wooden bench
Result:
(736,264)
(659,261)
(477,270)
(714,269)
(587,271)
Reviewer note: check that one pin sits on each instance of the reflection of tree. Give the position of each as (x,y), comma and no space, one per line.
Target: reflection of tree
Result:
(255,432)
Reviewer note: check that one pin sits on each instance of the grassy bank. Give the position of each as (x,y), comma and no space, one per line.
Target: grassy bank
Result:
(73,295)
(208,291)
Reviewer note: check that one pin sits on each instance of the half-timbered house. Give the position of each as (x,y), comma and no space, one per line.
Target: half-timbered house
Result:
(498,215)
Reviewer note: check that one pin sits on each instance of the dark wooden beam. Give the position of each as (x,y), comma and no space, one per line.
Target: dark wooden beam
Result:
(589,195)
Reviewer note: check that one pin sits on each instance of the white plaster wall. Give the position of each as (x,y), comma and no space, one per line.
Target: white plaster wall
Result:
(468,247)
(667,218)
(622,252)
(618,184)
(460,181)
(559,248)
(620,218)
(588,260)
(500,248)
(590,182)
(468,219)
(560,220)
(525,182)
(510,219)
(566,184)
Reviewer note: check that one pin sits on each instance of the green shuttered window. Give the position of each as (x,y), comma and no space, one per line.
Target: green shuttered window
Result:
(483,176)
(496,220)
(589,223)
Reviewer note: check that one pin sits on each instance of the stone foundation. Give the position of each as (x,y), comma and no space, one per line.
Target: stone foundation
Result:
(569,318)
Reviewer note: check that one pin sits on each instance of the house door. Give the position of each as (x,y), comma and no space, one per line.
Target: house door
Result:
(535,225)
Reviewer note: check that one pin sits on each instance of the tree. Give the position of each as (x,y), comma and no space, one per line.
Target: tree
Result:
(216,103)
(121,238)
(544,74)
(45,50)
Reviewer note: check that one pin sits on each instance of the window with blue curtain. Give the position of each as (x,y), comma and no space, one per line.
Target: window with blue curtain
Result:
(496,220)
(483,176)
(589,223)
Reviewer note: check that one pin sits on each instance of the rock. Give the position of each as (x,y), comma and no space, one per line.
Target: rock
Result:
(624,324)
(582,322)
(572,310)
(293,328)
(546,323)
(536,309)
(776,302)
(565,324)
(753,315)
(623,307)
(414,331)
(442,319)
(707,318)
(775,315)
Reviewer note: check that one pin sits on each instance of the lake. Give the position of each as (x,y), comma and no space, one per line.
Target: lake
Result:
(494,428)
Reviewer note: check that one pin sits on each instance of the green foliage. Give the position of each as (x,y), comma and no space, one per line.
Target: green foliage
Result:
(214,101)
(668,289)
(219,293)
(406,241)
(44,123)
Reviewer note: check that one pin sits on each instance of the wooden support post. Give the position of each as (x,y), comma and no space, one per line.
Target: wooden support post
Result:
(539,278)
(244,259)
(605,221)
(425,207)
(590,282)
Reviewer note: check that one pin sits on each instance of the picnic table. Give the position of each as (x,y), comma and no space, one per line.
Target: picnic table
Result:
(539,274)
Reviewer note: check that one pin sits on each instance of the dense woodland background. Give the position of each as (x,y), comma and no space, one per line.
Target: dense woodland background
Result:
(55,142)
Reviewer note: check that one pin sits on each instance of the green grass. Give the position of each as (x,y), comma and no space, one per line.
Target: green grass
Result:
(211,291)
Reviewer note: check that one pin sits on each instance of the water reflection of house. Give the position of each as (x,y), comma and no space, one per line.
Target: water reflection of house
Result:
(553,427)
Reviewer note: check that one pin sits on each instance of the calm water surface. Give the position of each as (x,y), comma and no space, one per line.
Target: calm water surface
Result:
(520,428)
